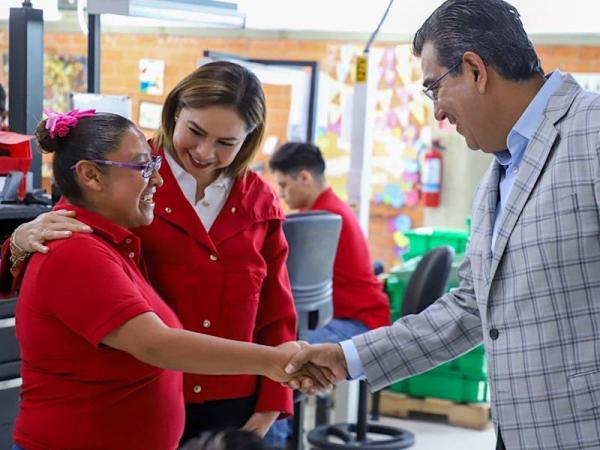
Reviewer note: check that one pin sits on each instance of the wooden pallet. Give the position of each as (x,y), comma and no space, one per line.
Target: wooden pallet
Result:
(474,415)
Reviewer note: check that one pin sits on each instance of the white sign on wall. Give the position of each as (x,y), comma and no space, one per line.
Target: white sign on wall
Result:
(117,104)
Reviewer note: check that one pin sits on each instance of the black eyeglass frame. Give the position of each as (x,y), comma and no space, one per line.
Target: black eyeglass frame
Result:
(429,90)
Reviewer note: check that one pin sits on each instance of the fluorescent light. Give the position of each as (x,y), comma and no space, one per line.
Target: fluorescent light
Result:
(210,13)
(207,16)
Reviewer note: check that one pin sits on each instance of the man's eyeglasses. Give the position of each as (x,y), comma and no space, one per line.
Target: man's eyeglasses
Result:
(432,90)
(147,169)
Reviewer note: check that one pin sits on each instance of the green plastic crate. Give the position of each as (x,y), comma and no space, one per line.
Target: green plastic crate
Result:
(400,387)
(472,363)
(448,385)
(424,239)
(396,282)
(463,379)
(453,275)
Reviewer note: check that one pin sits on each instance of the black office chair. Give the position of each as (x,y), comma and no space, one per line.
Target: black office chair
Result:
(312,238)
(425,286)
(428,281)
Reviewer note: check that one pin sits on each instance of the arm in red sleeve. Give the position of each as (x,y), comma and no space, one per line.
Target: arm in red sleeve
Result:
(276,319)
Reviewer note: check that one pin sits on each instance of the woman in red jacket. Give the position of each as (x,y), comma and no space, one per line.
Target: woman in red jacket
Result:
(97,341)
(216,251)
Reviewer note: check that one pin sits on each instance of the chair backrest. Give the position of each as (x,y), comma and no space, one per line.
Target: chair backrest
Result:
(312,238)
(428,281)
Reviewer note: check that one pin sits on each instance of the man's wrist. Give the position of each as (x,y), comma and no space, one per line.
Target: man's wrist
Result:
(341,359)
(352,360)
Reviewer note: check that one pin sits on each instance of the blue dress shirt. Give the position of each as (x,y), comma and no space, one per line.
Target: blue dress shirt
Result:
(517,142)
(509,159)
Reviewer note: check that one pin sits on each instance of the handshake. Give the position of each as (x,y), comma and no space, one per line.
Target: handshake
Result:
(309,368)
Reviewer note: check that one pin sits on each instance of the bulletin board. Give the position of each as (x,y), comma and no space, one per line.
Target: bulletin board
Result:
(402,128)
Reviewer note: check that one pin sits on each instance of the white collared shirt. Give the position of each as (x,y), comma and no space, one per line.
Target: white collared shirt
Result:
(215,194)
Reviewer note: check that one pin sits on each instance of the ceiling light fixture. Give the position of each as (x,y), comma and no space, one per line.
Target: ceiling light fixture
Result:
(210,13)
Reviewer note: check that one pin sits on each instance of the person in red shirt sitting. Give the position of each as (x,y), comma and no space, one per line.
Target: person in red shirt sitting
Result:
(102,354)
(359,303)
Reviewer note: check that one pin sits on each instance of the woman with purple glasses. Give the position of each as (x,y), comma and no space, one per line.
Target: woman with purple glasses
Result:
(100,348)
(216,250)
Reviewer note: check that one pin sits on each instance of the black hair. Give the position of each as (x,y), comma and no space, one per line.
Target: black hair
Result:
(490,28)
(292,157)
(226,440)
(91,138)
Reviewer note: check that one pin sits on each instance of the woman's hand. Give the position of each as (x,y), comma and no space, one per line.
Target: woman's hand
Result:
(30,236)
(260,422)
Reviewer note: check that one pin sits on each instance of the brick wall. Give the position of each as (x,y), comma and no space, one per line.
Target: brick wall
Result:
(119,75)
(570,58)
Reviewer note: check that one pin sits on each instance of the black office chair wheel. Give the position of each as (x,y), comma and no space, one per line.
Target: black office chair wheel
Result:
(361,434)
(327,437)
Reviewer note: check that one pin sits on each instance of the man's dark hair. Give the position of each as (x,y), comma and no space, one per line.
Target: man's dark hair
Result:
(490,28)
(292,157)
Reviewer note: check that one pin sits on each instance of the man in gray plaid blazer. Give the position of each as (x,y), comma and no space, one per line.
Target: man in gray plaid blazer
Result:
(530,282)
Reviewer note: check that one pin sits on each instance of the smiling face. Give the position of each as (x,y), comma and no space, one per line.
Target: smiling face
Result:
(206,140)
(458,100)
(128,197)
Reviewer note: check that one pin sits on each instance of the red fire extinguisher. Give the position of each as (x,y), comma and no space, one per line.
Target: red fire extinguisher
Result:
(431,176)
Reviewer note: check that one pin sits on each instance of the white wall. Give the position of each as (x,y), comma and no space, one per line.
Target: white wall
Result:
(462,170)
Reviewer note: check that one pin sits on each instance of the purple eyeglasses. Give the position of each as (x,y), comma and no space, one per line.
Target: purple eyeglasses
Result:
(147,169)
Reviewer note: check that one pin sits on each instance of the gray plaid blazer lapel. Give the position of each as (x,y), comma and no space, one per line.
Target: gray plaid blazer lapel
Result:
(489,215)
(534,159)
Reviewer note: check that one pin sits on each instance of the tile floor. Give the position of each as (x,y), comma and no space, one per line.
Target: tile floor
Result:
(438,435)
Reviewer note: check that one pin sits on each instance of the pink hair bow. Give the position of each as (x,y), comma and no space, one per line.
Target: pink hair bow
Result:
(59,124)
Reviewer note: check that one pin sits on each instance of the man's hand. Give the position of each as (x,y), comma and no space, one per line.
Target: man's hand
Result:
(260,422)
(327,358)
(309,376)
(315,377)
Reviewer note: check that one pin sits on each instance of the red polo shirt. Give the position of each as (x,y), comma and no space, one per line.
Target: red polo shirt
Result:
(78,393)
(357,293)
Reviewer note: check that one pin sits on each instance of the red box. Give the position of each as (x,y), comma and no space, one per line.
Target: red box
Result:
(19,148)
